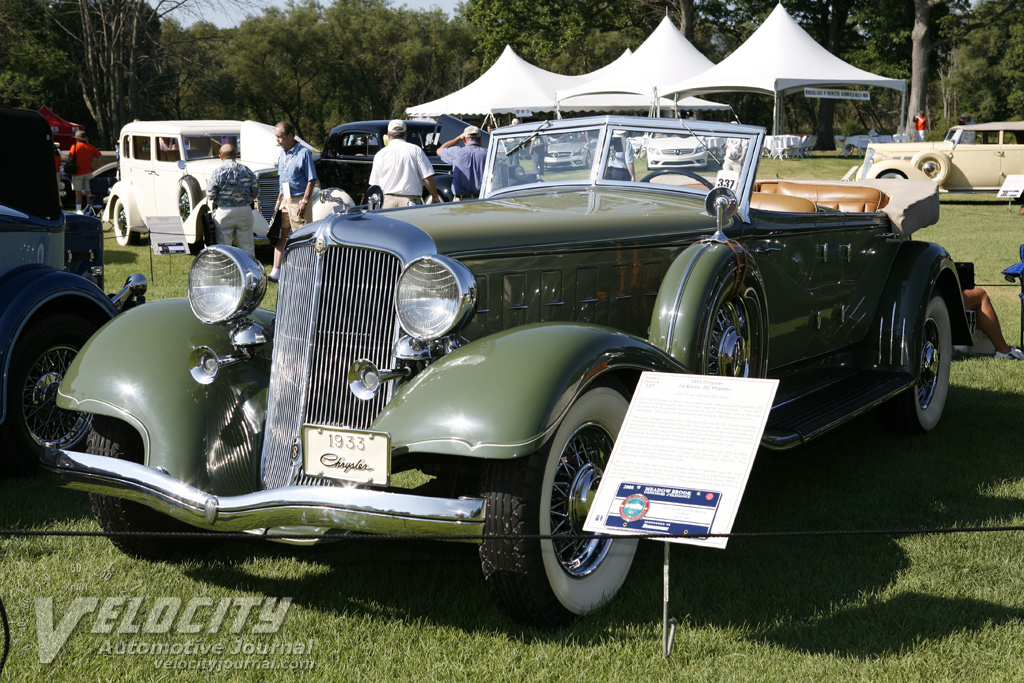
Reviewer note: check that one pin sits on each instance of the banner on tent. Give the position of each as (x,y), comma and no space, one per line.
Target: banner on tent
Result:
(837,94)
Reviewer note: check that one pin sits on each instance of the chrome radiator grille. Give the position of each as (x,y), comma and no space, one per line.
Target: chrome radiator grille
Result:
(270,187)
(332,310)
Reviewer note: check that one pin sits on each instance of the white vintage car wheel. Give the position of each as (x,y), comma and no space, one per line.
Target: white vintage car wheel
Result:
(549,582)
(122,233)
(933,164)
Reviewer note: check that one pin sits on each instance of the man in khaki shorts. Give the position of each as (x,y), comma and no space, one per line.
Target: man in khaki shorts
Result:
(82,154)
(298,176)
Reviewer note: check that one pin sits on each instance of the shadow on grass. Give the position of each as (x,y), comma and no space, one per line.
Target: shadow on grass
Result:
(821,594)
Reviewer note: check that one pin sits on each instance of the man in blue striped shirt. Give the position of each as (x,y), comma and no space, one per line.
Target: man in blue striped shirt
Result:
(232,189)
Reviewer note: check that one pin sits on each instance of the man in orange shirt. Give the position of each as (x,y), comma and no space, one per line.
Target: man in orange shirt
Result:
(82,155)
(920,125)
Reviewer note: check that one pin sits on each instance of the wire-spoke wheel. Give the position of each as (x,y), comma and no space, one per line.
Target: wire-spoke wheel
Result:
(40,359)
(550,581)
(919,409)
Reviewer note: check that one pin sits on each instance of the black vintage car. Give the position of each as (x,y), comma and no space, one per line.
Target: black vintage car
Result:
(348,156)
(51,301)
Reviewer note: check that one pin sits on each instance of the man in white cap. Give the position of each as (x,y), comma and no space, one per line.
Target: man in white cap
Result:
(467,163)
(402,170)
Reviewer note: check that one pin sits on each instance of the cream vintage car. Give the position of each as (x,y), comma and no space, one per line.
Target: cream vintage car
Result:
(164,168)
(973,158)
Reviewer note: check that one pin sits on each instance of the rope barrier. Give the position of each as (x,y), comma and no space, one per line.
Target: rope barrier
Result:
(539,537)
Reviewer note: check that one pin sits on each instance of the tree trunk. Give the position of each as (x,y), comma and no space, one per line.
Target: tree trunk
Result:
(919,49)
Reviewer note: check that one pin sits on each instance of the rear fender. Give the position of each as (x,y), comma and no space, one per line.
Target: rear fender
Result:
(502,396)
(920,269)
(136,369)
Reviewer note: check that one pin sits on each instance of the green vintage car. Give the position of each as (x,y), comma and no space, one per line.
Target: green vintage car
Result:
(462,369)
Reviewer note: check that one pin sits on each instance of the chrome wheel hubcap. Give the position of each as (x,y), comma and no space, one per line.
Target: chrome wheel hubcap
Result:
(572,493)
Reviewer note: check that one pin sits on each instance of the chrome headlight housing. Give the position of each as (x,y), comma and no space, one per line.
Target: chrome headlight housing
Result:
(435,296)
(225,284)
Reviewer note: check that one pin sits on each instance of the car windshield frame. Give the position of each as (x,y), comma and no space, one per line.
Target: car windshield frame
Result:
(511,156)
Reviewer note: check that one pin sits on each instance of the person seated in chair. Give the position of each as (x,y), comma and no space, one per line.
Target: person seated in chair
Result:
(977,300)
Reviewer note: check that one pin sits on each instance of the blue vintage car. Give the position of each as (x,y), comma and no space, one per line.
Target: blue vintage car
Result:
(462,369)
(51,301)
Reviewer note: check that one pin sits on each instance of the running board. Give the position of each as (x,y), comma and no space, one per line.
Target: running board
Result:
(796,421)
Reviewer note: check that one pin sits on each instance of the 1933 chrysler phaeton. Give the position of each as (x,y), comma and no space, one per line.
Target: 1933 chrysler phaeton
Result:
(492,346)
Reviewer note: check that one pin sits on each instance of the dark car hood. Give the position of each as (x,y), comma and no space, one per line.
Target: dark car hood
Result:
(546,220)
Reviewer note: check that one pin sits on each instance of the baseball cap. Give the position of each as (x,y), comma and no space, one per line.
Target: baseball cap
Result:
(471,132)
(396,126)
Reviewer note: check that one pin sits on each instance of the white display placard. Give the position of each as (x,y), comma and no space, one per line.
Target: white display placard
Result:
(1012,187)
(166,235)
(683,456)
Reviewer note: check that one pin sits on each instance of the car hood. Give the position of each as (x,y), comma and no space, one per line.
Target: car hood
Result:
(549,220)
(259,146)
(891,148)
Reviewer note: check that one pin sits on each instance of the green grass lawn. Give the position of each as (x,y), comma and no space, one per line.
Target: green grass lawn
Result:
(813,608)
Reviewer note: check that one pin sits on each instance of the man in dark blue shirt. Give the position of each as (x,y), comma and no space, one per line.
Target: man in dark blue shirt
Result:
(467,163)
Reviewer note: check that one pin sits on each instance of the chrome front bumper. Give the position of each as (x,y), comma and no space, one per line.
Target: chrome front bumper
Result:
(310,511)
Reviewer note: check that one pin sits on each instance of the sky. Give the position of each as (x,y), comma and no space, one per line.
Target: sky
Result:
(210,11)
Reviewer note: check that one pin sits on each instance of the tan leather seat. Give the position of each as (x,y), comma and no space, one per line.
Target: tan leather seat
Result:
(845,198)
(767,201)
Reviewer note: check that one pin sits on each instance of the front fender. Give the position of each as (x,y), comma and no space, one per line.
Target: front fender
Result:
(502,396)
(909,170)
(124,191)
(700,279)
(36,290)
(920,269)
(136,369)
(192,226)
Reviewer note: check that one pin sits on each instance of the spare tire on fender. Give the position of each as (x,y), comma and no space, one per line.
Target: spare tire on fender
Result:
(933,164)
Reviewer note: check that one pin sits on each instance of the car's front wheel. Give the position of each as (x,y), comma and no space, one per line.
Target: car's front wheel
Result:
(114,438)
(123,234)
(549,582)
(40,358)
(919,409)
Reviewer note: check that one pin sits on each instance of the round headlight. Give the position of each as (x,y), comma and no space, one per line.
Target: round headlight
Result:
(435,296)
(224,284)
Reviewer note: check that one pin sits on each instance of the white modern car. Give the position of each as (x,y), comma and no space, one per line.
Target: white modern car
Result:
(164,168)
(676,151)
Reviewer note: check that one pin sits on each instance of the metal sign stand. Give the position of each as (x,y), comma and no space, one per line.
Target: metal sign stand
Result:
(668,629)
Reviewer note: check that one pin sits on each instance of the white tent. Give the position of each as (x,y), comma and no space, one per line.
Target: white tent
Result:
(665,56)
(780,57)
(510,84)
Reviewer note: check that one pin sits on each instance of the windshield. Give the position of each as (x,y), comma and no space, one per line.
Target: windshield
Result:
(208,146)
(668,154)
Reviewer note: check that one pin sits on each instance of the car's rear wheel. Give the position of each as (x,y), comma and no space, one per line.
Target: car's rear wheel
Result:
(549,582)
(114,438)
(123,234)
(919,409)
(39,361)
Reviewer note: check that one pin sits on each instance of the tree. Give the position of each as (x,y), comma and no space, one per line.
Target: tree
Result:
(33,70)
